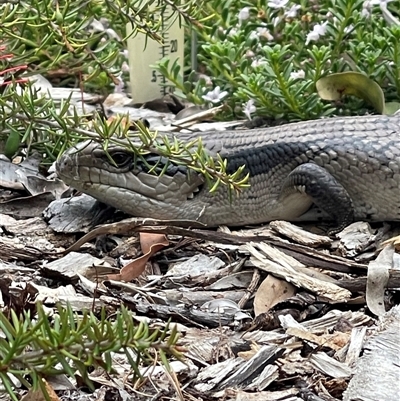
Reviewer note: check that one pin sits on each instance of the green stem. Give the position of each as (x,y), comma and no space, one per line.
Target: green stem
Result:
(396,60)
(285,91)
(343,26)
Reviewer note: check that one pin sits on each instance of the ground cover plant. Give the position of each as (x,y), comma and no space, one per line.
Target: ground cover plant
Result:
(264,58)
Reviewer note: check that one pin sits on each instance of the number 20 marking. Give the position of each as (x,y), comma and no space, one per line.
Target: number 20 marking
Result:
(174,46)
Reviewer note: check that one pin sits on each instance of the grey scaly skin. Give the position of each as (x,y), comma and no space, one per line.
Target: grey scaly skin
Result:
(348,167)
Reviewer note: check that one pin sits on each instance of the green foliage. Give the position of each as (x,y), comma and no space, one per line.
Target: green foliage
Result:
(191,88)
(59,38)
(41,125)
(66,41)
(35,348)
(272,53)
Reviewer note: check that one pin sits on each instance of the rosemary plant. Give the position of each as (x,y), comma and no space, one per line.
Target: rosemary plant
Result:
(33,348)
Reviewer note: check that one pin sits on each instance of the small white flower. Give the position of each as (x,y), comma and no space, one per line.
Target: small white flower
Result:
(365,13)
(292,12)
(276,21)
(367,4)
(249,54)
(380,2)
(125,67)
(312,36)
(215,96)
(258,62)
(244,14)
(318,30)
(249,108)
(253,35)
(300,74)
(265,33)
(232,32)
(119,88)
(261,32)
(348,29)
(277,3)
(113,35)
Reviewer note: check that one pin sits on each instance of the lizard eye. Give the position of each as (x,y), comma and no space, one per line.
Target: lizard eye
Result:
(122,159)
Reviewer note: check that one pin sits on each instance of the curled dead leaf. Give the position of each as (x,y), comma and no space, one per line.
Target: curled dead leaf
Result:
(150,244)
(271,291)
(334,86)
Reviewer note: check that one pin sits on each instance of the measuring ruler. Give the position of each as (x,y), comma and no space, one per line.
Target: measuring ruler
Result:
(146,83)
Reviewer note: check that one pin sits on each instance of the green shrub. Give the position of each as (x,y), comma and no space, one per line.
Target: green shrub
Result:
(266,57)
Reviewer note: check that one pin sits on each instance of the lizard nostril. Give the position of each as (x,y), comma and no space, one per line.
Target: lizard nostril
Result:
(67,168)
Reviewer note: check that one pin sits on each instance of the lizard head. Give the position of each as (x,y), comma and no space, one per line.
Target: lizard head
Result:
(143,187)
